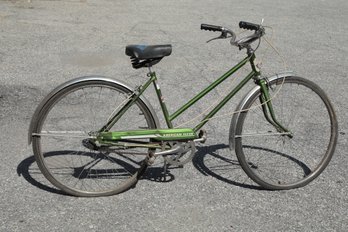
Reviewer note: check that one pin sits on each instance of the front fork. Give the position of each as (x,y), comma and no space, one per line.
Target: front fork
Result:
(267,106)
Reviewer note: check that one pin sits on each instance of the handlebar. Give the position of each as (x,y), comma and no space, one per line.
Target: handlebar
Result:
(211,27)
(249,26)
(259,31)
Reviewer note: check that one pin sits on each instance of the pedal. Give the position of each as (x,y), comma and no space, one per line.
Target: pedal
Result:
(150,159)
(90,144)
(202,136)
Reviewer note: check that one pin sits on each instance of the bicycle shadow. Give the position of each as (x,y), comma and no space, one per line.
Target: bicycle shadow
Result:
(33,176)
(217,161)
(201,161)
(29,170)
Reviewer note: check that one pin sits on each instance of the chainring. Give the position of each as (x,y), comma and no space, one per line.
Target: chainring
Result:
(183,157)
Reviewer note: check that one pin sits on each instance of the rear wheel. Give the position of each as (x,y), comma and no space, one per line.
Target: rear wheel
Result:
(66,123)
(278,161)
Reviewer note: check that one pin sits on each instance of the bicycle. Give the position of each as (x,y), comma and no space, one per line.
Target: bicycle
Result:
(95,136)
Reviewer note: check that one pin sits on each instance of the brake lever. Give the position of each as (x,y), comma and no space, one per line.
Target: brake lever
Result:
(222,36)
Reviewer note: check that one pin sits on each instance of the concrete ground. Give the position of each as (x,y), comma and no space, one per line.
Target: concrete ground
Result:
(44,43)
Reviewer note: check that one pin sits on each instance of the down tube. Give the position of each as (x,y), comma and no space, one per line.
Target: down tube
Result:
(224,101)
(209,88)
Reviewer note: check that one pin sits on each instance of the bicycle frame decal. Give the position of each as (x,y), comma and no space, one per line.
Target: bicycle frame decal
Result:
(160,135)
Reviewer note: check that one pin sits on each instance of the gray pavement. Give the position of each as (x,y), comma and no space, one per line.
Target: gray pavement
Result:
(44,43)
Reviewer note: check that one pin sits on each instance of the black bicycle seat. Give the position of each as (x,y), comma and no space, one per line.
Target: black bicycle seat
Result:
(143,52)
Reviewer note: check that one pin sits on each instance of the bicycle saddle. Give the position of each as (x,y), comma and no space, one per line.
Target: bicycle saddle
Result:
(147,55)
(143,52)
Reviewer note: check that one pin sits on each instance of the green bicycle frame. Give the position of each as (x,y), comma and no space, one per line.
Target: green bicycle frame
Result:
(170,117)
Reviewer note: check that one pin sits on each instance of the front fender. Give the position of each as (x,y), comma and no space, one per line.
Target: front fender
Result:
(33,122)
(243,102)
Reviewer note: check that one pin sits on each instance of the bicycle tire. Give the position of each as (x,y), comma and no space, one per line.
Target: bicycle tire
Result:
(70,113)
(278,162)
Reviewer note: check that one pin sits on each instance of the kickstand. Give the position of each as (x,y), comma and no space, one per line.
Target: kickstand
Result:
(165,167)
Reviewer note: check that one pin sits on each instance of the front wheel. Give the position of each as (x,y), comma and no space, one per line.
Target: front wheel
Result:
(68,120)
(273,159)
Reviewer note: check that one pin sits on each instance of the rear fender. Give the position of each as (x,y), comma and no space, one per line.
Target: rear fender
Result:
(33,123)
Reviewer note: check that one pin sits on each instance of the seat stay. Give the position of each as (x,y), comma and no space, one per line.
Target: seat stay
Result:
(134,96)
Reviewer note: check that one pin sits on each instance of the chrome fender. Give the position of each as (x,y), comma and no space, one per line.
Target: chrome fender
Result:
(33,122)
(243,102)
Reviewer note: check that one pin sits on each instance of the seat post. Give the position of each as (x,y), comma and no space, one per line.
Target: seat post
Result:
(150,70)
(151,73)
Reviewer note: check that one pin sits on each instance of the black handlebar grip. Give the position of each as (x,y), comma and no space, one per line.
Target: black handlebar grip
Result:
(210,27)
(249,26)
